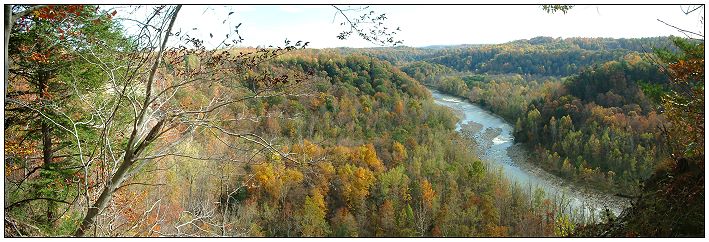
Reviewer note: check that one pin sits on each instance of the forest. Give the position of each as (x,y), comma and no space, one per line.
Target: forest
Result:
(117,133)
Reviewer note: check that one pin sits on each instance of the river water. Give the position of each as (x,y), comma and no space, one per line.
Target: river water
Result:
(495,145)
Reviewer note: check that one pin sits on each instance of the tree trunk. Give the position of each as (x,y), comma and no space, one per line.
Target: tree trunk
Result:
(8,27)
(121,175)
(46,129)
(132,150)
(106,195)
(9,22)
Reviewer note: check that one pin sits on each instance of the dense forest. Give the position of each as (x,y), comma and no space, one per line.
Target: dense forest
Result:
(541,55)
(605,126)
(598,126)
(109,133)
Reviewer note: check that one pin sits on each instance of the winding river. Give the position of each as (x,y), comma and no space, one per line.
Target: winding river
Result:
(495,144)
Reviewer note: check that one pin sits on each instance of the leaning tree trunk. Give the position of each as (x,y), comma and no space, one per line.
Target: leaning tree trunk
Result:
(106,194)
(133,147)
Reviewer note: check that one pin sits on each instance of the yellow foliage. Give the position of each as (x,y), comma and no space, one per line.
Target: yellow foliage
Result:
(318,199)
(266,177)
(275,179)
(355,183)
(326,168)
(563,226)
(256,231)
(310,148)
(398,153)
(340,155)
(368,156)
(307,149)
(293,176)
(275,157)
(632,58)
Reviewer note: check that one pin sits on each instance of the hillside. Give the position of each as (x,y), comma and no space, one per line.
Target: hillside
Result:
(362,151)
(151,121)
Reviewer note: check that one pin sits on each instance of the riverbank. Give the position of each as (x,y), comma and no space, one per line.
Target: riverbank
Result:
(593,199)
(493,141)
(518,153)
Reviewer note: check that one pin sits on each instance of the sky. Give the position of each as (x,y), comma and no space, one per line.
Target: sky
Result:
(425,25)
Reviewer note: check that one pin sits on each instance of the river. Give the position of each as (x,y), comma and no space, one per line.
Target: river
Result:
(495,145)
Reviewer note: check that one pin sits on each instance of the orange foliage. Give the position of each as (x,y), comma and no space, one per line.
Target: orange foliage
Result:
(399,108)
(496,230)
(436,231)
(387,217)
(325,170)
(427,193)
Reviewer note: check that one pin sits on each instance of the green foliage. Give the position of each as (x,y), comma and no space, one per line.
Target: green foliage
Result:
(542,55)
(576,118)
(564,227)
(453,85)
(313,218)
(558,7)
(686,71)
(426,72)
(654,92)
(371,153)
(672,201)
(379,147)
(54,80)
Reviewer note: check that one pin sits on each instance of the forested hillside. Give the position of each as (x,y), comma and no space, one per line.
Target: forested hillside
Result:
(253,142)
(544,55)
(604,124)
(598,127)
(671,201)
(111,131)
(379,159)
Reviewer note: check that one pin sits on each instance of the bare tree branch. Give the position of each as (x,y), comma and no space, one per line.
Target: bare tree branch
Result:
(682,30)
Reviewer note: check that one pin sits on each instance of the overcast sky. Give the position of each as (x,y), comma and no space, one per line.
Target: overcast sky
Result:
(432,25)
